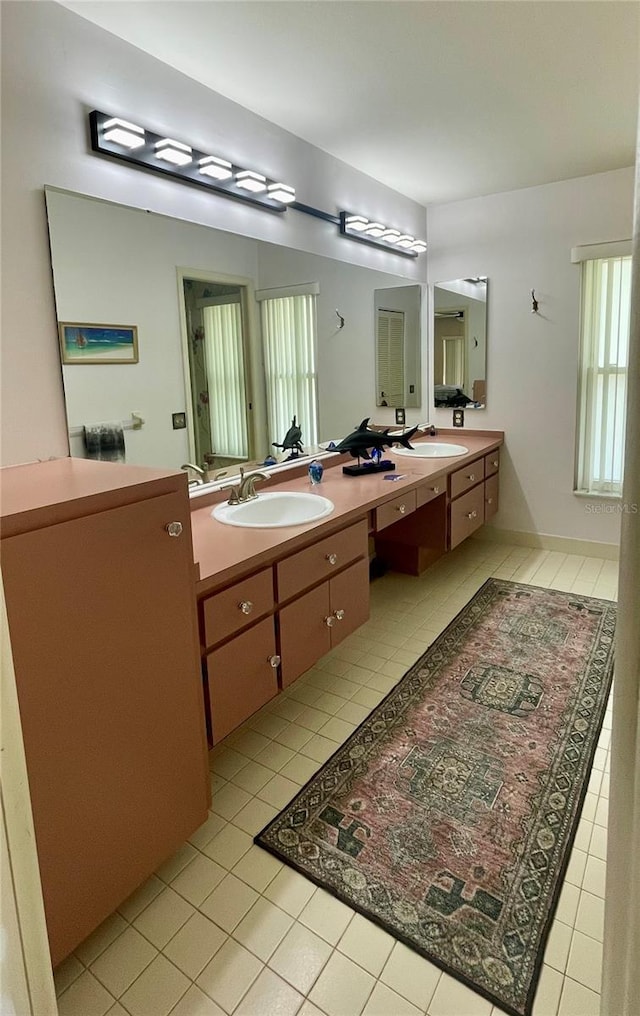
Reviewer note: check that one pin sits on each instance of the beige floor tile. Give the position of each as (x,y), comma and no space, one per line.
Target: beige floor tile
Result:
(383,1001)
(585,961)
(85,997)
(595,876)
(66,973)
(452,998)
(270,994)
(311,718)
(252,777)
(366,944)
(342,988)
(275,756)
(337,730)
(327,916)
(354,713)
(195,944)
(576,866)
(116,1010)
(410,975)
(227,763)
(209,828)
(278,791)
(319,748)
(309,1009)
(254,816)
(163,918)
(289,708)
(228,846)
(368,697)
(300,957)
(590,916)
(196,1003)
(197,880)
(228,801)
(267,724)
(598,844)
(576,1000)
(229,975)
(157,990)
(557,949)
(300,769)
(101,938)
(293,737)
(123,961)
(176,863)
(257,868)
(568,904)
(248,742)
(290,891)
(548,992)
(229,902)
(329,703)
(263,928)
(601,816)
(141,898)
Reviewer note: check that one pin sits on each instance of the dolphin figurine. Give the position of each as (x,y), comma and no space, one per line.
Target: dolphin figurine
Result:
(292,440)
(362,439)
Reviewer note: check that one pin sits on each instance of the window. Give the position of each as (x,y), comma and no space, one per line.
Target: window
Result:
(604,355)
(225,376)
(289,340)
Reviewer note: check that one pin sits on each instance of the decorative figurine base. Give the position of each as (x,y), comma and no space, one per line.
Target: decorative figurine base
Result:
(365,468)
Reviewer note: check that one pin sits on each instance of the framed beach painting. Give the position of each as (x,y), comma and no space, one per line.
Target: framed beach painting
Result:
(98,343)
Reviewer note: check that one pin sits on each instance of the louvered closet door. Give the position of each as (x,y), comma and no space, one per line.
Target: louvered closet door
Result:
(390,357)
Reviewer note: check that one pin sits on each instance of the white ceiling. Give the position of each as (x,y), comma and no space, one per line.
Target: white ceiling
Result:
(439,100)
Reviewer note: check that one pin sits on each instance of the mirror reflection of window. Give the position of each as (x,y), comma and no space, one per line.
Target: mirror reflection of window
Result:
(291,376)
(460,342)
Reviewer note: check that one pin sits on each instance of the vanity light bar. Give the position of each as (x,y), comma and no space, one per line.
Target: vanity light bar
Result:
(141,147)
(358,227)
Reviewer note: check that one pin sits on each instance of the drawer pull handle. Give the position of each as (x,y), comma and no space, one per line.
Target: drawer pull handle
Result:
(489,500)
(339,614)
(401,508)
(436,490)
(246,606)
(495,463)
(330,621)
(471,476)
(273,661)
(332,558)
(472,515)
(174,528)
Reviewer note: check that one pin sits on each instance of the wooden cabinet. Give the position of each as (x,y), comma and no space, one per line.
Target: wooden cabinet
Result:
(320,561)
(466,478)
(235,608)
(491,496)
(101,608)
(320,619)
(466,514)
(394,510)
(242,676)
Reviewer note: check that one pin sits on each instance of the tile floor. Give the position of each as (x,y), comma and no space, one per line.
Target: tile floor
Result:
(225,928)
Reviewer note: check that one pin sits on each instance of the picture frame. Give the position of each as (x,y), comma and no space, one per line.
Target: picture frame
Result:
(97,344)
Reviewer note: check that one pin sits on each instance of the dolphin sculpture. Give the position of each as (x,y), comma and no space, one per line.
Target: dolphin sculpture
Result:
(292,440)
(363,438)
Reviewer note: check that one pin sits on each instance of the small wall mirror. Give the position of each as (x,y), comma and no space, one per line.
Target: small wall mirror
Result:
(460,343)
(397,325)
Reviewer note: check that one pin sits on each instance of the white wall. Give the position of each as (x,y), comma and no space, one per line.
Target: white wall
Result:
(56,67)
(521,240)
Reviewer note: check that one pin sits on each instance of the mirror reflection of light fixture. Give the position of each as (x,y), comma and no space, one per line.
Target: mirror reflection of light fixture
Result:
(358,227)
(140,147)
(121,132)
(174,152)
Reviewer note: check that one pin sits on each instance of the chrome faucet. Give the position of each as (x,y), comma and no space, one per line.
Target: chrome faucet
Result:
(201,475)
(245,490)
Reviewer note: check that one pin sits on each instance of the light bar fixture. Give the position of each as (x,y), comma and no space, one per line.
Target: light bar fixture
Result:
(141,147)
(358,227)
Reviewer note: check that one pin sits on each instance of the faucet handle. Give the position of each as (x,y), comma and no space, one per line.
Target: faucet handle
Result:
(234,497)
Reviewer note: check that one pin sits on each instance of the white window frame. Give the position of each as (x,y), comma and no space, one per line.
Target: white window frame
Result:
(603,367)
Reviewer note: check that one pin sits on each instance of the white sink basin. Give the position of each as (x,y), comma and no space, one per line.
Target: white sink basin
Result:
(273,509)
(431,450)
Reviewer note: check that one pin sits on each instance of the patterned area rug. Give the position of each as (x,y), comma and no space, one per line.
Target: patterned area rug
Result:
(449,814)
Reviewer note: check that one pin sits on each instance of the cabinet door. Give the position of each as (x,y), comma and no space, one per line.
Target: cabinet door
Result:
(349,600)
(241,677)
(304,632)
(491,501)
(102,619)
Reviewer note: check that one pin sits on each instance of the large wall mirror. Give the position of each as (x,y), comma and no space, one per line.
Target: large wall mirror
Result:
(460,343)
(215,381)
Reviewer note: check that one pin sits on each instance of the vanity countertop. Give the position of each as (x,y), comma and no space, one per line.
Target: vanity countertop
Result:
(223,553)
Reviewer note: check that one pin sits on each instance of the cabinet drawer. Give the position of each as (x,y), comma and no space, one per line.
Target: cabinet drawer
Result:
(304,569)
(394,510)
(241,677)
(492,463)
(234,608)
(467,477)
(429,490)
(491,497)
(467,514)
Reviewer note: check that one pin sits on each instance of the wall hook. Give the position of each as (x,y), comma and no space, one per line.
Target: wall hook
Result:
(340,319)
(534,302)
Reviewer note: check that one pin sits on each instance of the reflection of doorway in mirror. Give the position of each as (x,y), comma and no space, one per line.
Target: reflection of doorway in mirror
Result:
(450,361)
(390,357)
(217,350)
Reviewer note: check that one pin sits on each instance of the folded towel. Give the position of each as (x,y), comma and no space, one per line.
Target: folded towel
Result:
(105,441)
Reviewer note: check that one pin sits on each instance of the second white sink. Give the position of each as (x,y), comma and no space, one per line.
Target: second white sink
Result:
(273,509)
(432,450)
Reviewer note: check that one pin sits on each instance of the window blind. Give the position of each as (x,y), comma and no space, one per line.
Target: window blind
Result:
(289,339)
(390,357)
(226,379)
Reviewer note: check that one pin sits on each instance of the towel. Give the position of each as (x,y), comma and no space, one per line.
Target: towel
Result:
(105,441)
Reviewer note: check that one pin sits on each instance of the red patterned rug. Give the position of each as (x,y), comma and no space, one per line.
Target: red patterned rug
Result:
(449,814)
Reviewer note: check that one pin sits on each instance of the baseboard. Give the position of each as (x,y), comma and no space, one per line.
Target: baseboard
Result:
(540,541)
